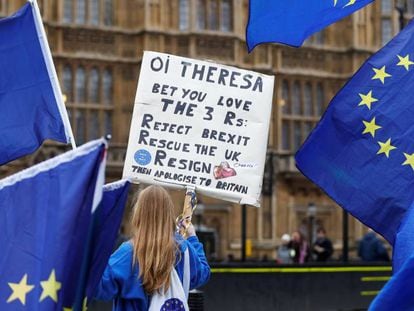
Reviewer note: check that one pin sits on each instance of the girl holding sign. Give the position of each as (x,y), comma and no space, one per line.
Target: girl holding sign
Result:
(156,268)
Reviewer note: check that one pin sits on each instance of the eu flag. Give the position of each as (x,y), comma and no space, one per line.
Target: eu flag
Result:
(291,22)
(45,214)
(398,293)
(31,106)
(107,219)
(362,151)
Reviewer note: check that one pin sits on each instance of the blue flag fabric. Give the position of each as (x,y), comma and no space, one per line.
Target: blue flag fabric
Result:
(398,293)
(45,213)
(291,22)
(362,151)
(404,242)
(29,112)
(107,219)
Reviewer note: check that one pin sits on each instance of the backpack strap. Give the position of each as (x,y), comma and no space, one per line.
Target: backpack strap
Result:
(186,273)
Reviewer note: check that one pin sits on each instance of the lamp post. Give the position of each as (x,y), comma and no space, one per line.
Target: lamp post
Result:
(311,217)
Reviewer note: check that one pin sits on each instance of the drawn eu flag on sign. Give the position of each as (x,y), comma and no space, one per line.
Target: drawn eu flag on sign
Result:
(362,151)
(292,21)
(31,105)
(45,213)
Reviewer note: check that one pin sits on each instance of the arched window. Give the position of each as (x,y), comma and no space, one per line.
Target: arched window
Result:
(94,12)
(320,100)
(308,100)
(67,11)
(81,12)
(226,16)
(94,86)
(296,110)
(184,15)
(285,97)
(108,13)
(80,85)
(68,83)
(201,14)
(107,87)
(213,21)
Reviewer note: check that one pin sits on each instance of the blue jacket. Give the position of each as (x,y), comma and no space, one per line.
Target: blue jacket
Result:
(120,279)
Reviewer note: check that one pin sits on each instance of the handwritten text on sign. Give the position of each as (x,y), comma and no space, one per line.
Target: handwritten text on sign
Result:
(200,123)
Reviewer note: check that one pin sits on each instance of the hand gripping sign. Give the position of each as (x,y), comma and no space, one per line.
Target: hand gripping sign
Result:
(202,124)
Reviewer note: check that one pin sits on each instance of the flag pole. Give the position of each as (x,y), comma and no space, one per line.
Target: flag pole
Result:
(52,72)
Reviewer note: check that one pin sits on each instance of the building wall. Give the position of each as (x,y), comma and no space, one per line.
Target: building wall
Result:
(98,45)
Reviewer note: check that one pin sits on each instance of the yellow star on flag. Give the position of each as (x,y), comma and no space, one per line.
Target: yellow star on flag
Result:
(351,2)
(20,290)
(370,127)
(380,74)
(67,309)
(405,61)
(50,287)
(85,304)
(409,160)
(386,148)
(335,1)
(367,99)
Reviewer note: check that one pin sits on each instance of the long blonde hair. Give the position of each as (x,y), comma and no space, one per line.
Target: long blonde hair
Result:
(153,238)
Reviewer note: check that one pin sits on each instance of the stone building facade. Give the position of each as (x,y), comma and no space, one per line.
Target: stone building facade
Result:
(98,45)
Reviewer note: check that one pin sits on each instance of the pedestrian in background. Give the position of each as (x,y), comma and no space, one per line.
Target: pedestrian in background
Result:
(284,251)
(322,248)
(149,263)
(300,250)
(371,248)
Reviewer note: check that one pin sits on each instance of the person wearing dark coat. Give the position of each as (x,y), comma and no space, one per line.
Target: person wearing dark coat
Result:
(372,249)
(322,248)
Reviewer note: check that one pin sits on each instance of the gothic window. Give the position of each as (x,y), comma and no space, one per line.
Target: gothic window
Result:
(68,83)
(286,135)
(108,12)
(297,134)
(320,100)
(410,6)
(201,14)
(296,99)
(94,12)
(386,21)
(80,85)
(302,106)
(226,16)
(386,7)
(285,97)
(386,30)
(94,86)
(107,87)
(213,21)
(184,15)
(93,124)
(67,11)
(80,126)
(214,15)
(308,100)
(81,12)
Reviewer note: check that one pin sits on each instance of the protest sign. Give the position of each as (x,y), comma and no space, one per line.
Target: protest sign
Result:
(200,123)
